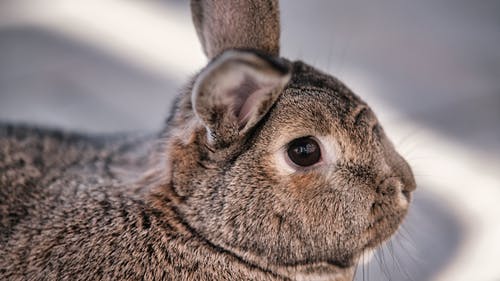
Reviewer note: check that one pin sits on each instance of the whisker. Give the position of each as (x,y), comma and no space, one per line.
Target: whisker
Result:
(384,262)
(404,139)
(403,231)
(390,246)
(399,266)
(368,271)
(364,264)
(413,258)
(355,271)
(380,261)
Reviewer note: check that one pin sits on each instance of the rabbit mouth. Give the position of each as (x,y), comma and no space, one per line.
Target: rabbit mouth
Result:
(382,228)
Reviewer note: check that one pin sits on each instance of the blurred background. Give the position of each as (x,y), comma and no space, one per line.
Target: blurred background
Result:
(430,69)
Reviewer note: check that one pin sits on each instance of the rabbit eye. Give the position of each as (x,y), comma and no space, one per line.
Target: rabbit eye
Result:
(304,151)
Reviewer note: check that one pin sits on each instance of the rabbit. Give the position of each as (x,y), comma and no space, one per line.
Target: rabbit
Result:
(266,169)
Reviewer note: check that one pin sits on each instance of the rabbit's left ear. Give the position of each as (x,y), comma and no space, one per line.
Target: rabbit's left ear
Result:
(236,90)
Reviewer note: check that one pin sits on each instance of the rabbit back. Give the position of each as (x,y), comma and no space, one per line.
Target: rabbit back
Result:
(66,212)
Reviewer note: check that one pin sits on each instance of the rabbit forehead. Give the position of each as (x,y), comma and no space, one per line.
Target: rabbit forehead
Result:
(319,96)
(314,103)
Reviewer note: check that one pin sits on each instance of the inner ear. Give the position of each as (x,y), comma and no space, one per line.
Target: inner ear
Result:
(236,90)
(248,97)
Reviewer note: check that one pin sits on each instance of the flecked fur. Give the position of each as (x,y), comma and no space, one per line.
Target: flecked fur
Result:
(198,204)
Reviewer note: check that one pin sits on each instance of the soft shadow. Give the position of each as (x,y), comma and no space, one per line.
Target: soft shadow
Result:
(49,79)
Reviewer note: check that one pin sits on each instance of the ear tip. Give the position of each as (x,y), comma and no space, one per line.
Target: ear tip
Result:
(222,25)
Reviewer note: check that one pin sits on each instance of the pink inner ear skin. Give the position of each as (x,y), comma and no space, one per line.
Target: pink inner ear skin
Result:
(248,97)
(251,104)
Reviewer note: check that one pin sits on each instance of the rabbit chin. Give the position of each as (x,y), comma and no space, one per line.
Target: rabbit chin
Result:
(367,256)
(327,271)
(318,271)
(325,276)
(336,269)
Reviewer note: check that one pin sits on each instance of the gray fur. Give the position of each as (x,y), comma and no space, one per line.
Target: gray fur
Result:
(223,25)
(198,203)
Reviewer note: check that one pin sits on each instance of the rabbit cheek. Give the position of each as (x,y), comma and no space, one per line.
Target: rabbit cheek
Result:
(303,182)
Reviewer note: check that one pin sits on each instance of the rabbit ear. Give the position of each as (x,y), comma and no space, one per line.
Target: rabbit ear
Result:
(241,24)
(236,90)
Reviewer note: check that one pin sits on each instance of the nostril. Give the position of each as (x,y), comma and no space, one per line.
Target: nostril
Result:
(394,190)
(389,187)
(406,193)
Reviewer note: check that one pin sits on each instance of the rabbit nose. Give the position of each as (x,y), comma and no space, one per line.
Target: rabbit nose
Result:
(396,186)
(390,187)
(395,189)
(409,185)
(401,172)
(407,178)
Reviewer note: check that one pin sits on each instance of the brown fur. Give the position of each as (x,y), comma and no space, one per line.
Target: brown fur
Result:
(223,25)
(206,200)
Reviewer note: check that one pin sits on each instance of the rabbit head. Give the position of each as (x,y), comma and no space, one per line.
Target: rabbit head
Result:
(274,161)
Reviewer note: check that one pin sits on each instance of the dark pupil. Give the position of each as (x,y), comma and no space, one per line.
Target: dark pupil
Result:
(304,151)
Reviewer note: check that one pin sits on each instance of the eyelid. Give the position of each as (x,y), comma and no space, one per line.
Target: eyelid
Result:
(286,146)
